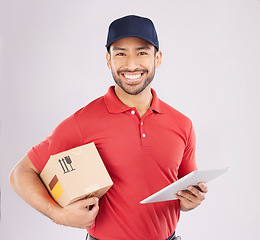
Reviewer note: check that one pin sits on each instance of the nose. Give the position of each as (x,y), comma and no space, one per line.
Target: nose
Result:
(132,63)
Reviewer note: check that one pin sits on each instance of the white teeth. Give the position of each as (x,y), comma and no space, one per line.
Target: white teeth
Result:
(133,77)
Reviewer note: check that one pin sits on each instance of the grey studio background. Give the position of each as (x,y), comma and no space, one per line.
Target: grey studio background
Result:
(53,63)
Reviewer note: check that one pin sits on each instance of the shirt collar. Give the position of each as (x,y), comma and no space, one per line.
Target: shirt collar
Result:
(114,105)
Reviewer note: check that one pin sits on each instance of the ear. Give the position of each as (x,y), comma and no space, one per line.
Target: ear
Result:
(108,58)
(158,59)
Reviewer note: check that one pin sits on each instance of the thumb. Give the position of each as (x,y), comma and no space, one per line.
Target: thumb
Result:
(90,201)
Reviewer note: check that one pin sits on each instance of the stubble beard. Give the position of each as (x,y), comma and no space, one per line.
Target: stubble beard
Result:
(131,88)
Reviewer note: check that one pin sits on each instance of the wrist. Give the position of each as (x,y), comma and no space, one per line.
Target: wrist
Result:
(55,213)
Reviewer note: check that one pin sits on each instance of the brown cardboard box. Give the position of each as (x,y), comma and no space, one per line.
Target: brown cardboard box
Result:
(75,174)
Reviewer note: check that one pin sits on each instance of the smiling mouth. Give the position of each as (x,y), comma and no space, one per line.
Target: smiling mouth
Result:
(132,76)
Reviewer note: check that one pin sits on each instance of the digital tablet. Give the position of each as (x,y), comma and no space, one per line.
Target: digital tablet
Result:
(192,178)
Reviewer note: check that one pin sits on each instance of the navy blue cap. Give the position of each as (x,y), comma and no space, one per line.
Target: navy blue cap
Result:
(132,26)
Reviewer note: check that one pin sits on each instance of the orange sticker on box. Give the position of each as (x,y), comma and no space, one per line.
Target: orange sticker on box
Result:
(55,188)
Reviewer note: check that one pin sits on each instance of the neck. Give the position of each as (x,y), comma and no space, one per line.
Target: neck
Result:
(141,101)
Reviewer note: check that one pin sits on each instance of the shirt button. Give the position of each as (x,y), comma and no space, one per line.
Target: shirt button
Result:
(133,112)
(142,123)
(144,135)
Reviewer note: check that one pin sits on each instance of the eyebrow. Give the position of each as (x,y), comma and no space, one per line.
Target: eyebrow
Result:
(125,49)
(119,48)
(143,48)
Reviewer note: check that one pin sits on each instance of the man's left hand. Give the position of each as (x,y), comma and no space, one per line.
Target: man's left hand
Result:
(192,197)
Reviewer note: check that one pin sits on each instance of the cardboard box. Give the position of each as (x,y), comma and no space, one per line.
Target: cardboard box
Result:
(75,174)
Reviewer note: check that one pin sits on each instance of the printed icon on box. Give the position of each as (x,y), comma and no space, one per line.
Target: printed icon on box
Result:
(55,188)
(66,164)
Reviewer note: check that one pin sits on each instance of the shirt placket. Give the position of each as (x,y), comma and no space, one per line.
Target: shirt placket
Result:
(141,125)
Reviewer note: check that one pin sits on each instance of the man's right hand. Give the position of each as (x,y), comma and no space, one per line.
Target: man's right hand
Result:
(80,214)
(25,180)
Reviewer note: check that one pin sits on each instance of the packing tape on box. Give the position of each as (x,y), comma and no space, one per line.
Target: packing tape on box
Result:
(91,189)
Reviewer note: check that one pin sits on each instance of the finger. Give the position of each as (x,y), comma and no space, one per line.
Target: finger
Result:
(197,193)
(188,195)
(203,187)
(90,201)
(181,198)
(93,209)
(186,200)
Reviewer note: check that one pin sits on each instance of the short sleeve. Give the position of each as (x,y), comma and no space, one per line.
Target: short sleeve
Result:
(188,163)
(64,137)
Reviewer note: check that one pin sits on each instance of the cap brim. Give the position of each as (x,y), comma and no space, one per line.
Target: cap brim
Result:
(130,35)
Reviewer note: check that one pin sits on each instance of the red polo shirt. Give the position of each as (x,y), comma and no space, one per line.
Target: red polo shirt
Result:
(142,155)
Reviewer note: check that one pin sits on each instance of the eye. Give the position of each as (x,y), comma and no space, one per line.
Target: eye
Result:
(142,53)
(120,54)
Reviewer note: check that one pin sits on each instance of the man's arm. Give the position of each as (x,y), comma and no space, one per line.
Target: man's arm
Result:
(25,180)
(192,197)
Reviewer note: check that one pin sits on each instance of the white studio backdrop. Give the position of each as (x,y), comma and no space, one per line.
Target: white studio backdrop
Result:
(53,63)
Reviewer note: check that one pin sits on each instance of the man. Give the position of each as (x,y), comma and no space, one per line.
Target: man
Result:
(144,143)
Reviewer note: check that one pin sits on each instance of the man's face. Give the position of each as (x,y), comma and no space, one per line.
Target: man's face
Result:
(133,62)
